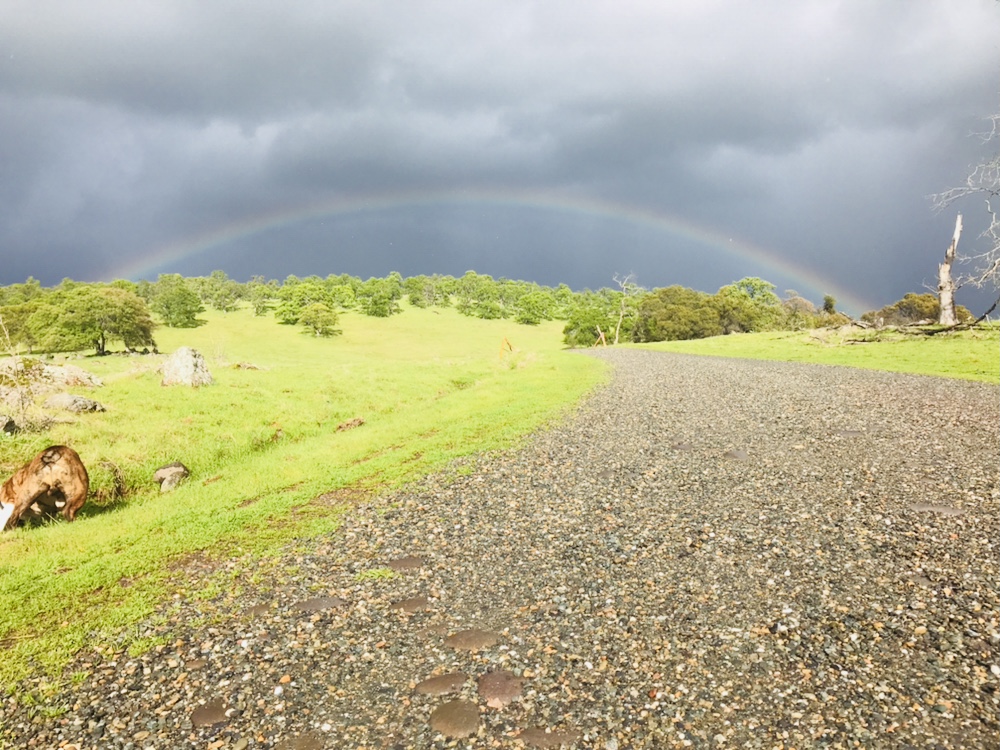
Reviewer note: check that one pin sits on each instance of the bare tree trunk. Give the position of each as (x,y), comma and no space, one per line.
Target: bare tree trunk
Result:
(946,284)
(628,287)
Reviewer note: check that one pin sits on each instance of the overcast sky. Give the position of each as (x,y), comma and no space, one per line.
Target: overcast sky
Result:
(688,142)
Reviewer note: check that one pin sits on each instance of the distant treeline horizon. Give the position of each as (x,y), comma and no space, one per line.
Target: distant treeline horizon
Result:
(74,315)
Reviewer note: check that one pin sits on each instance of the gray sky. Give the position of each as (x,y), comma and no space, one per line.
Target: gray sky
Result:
(688,142)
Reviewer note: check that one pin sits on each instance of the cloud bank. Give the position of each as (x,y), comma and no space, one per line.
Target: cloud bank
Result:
(131,133)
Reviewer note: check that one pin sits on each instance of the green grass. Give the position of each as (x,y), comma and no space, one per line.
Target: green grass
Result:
(968,355)
(375,574)
(262,446)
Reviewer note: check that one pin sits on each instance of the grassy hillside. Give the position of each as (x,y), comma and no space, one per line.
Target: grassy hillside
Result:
(431,386)
(969,355)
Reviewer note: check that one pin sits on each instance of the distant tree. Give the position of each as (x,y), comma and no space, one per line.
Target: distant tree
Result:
(534,307)
(259,294)
(16,320)
(380,297)
(175,302)
(123,315)
(127,285)
(319,319)
(427,291)
(675,313)
(911,309)
(445,287)
(478,295)
(758,290)
(17,293)
(563,298)
(509,293)
(92,315)
(221,292)
(419,291)
(749,304)
(593,314)
(488,309)
(829,304)
(344,280)
(343,296)
(799,312)
(299,296)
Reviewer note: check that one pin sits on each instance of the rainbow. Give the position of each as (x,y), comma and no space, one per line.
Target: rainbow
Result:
(168,255)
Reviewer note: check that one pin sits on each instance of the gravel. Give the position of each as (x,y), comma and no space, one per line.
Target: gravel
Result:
(710,553)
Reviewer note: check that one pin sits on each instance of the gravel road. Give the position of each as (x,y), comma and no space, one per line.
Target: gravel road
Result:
(709,553)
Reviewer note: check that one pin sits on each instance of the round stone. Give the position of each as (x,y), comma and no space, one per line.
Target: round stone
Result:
(415,604)
(410,562)
(471,640)
(499,688)
(207,714)
(456,719)
(442,684)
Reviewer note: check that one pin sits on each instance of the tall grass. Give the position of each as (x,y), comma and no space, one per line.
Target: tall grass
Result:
(431,385)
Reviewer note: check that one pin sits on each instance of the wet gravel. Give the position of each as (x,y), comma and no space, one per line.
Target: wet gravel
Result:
(710,553)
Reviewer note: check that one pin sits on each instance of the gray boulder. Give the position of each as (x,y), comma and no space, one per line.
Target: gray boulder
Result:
(72,375)
(7,425)
(69,402)
(15,398)
(171,475)
(186,366)
(41,377)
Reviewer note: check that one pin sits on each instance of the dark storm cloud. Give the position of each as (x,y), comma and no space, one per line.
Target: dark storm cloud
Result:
(814,129)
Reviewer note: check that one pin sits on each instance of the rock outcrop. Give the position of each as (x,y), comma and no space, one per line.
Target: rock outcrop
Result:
(186,366)
(171,475)
(69,402)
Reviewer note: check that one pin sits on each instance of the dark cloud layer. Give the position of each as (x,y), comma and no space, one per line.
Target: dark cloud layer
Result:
(814,130)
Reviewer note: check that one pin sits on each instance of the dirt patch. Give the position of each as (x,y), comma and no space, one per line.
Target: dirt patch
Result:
(343,496)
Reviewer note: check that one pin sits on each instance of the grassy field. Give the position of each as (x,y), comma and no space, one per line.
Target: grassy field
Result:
(968,355)
(432,386)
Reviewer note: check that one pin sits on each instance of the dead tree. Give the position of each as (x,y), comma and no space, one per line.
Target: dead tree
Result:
(946,283)
(983,182)
(629,288)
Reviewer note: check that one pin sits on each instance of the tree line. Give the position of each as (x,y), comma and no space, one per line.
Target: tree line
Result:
(73,316)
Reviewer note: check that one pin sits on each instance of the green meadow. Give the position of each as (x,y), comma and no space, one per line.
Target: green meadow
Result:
(262,444)
(967,355)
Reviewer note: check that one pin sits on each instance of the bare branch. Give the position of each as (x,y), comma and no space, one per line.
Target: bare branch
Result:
(983,181)
(629,288)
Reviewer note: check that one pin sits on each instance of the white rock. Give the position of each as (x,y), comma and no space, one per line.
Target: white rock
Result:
(186,366)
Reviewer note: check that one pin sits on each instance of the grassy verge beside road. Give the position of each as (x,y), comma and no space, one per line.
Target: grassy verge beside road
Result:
(968,355)
(432,386)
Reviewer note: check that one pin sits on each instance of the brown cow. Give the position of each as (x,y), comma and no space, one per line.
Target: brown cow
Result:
(55,480)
